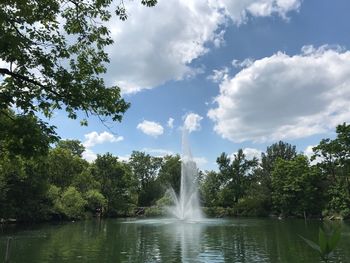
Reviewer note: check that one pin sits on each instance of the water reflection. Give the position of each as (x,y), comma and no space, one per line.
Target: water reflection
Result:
(245,240)
(175,241)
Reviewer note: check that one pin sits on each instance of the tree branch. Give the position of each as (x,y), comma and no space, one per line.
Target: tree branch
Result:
(5,71)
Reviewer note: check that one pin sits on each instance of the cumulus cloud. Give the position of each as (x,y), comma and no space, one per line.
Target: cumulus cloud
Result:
(89,155)
(151,49)
(239,11)
(170,123)
(285,97)
(93,138)
(192,122)
(151,128)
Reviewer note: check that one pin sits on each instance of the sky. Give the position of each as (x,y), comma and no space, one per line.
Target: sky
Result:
(235,74)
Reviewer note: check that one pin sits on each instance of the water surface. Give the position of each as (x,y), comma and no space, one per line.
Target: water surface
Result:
(167,240)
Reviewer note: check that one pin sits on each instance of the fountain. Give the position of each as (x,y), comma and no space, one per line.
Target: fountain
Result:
(186,204)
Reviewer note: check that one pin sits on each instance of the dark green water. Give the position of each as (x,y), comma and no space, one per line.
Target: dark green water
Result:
(236,240)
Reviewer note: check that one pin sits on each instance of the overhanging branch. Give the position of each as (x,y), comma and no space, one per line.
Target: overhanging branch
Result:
(5,71)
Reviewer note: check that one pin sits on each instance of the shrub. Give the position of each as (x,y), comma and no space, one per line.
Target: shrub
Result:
(72,204)
(95,200)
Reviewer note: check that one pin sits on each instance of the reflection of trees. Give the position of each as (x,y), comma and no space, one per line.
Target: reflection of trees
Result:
(246,240)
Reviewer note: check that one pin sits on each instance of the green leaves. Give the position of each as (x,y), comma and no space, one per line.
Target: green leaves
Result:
(327,241)
(149,3)
(57,49)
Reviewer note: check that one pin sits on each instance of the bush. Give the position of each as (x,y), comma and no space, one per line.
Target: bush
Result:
(166,200)
(251,207)
(95,200)
(72,204)
(218,211)
(155,211)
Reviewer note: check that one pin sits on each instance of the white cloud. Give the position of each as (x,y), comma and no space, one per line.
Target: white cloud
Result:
(309,153)
(158,152)
(249,153)
(89,155)
(239,11)
(124,158)
(285,97)
(218,75)
(151,49)
(192,122)
(242,64)
(93,138)
(151,128)
(170,123)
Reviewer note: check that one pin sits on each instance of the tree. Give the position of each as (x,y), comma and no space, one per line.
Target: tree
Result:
(334,162)
(64,167)
(23,186)
(262,175)
(282,150)
(74,146)
(170,172)
(145,168)
(24,144)
(233,175)
(72,204)
(118,185)
(95,200)
(210,189)
(297,187)
(55,51)
(24,135)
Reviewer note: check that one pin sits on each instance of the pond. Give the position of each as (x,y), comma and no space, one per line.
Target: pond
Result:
(154,240)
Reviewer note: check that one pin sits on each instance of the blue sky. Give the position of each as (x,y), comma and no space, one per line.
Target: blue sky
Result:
(236,74)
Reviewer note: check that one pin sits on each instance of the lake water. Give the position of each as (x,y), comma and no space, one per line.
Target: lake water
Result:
(153,240)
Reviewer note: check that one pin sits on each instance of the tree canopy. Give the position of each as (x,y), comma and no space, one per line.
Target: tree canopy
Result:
(55,55)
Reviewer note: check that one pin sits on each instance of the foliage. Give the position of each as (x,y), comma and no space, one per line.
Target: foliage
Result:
(165,200)
(170,172)
(95,200)
(118,184)
(74,146)
(56,56)
(72,204)
(38,182)
(23,186)
(262,175)
(145,168)
(85,181)
(64,166)
(296,187)
(155,211)
(210,189)
(327,242)
(234,176)
(280,150)
(335,165)
(24,135)
(251,207)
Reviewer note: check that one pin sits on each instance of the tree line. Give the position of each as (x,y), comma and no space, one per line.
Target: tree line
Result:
(44,178)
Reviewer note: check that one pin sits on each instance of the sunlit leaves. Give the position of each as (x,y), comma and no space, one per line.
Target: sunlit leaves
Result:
(57,49)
